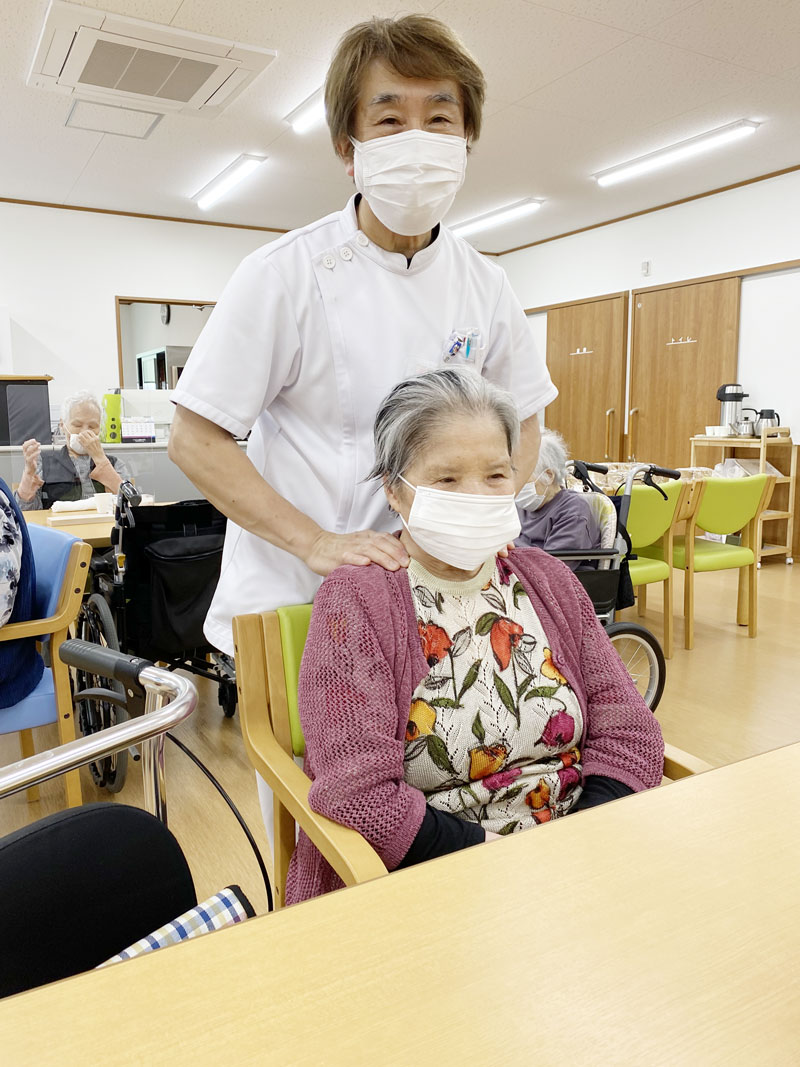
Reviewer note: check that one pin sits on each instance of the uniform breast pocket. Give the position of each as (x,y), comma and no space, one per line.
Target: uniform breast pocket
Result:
(464,347)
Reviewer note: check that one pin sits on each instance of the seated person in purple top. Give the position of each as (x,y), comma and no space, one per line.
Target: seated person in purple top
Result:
(552,517)
(473,694)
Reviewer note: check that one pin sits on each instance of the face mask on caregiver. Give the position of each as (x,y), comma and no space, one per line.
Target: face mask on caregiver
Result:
(410,179)
(462,529)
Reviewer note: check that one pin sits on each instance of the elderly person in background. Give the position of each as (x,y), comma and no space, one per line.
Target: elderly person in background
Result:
(470,695)
(21,666)
(79,469)
(552,517)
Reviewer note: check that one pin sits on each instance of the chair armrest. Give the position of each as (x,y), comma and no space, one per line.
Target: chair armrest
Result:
(33,627)
(350,855)
(680,764)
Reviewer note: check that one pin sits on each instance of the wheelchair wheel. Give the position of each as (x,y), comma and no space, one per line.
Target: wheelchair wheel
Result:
(96,624)
(643,658)
(227,697)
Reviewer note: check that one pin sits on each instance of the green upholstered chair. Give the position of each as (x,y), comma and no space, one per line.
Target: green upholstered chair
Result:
(722,506)
(651,522)
(269,647)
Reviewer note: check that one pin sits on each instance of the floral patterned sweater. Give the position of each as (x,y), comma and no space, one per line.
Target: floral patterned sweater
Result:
(364,663)
(494,728)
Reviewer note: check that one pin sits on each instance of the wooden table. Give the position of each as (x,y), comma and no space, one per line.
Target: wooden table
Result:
(661,929)
(96,534)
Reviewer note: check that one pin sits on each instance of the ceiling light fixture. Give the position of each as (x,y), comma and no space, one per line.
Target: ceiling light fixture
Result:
(308,114)
(226,180)
(693,146)
(499,217)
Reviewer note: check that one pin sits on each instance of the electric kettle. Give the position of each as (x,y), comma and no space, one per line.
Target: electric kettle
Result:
(767,418)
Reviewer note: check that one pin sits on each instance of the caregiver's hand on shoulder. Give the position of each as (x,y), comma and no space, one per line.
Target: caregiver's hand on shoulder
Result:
(331,550)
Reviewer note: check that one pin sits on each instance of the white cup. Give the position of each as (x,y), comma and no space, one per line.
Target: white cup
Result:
(104,502)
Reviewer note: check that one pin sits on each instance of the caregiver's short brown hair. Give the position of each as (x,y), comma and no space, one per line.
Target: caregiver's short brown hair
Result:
(415,46)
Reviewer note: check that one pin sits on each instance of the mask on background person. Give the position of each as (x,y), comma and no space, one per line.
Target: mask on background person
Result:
(462,529)
(76,445)
(410,179)
(527,498)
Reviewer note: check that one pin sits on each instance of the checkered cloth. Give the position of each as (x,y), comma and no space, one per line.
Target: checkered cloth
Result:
(225,908)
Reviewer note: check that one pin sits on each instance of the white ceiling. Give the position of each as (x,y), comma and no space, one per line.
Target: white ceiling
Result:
(574,86)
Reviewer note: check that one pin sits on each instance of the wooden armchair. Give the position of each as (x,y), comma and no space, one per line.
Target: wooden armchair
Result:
(269,647)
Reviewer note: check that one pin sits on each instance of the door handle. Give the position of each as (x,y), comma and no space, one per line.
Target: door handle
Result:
(609,413)
(631,438)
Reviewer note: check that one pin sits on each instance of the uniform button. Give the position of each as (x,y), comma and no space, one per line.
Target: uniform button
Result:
(362,239)
(329,261)
(346,252)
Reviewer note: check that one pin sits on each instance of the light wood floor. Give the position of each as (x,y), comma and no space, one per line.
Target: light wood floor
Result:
(729,698)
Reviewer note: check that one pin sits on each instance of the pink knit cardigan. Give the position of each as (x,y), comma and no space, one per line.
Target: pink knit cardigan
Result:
(362,662)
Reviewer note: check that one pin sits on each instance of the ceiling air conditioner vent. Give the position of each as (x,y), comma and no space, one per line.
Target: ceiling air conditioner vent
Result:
(115,60)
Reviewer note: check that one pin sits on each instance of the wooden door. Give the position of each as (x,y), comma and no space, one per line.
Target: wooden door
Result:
(684,347)
(586,356)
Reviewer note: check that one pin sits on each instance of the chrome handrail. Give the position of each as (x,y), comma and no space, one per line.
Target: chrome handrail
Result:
(148,730)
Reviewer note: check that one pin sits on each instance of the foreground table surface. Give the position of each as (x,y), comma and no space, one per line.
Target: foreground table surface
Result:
(96,534)
(660,929)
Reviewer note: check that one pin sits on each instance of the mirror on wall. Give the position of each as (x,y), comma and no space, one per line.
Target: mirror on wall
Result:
(155,336)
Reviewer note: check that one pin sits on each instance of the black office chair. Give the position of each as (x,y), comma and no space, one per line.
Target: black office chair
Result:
(79,886)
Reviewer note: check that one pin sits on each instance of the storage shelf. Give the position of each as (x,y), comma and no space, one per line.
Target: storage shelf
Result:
(773,550)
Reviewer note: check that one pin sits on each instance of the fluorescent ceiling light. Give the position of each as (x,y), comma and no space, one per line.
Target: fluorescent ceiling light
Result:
(499,217)
(308,114)
(226,179)
(676,152)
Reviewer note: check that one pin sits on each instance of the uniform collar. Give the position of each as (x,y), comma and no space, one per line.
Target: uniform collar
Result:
(393,261)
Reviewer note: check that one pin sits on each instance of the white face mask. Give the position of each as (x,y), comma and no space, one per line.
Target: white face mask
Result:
(410,179)
(528,499)
(462,529)
(76,445)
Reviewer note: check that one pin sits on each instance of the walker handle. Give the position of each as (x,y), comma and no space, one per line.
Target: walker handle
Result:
(104,661)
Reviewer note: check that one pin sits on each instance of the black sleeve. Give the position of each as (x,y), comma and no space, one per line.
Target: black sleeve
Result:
(597,789)
(440,834)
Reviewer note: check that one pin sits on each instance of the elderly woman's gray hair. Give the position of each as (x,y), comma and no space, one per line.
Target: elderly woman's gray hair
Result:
(553,456)
(81,399)
(417,405)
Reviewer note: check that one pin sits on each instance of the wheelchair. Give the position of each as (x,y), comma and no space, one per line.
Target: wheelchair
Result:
(609,586)
(149,597)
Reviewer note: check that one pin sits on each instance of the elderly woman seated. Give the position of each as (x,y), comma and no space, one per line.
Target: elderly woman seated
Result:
(79,469)
(474,694)
(552,517)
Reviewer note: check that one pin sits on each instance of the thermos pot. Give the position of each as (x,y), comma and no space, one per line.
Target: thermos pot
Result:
(767,418)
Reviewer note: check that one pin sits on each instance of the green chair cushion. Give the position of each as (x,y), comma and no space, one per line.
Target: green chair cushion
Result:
(293,622)
(645,571)
(708,555)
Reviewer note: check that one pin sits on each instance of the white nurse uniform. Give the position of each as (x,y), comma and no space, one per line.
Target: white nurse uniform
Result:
(310,334)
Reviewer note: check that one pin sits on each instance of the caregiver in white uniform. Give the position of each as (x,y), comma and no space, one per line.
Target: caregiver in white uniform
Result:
(314,329)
